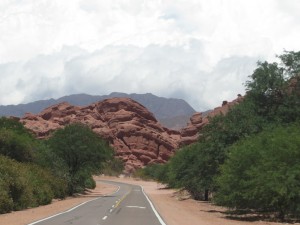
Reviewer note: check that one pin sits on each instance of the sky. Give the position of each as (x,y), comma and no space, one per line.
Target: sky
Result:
(197,50)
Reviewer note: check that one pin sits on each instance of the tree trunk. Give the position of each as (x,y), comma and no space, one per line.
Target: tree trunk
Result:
(206,195)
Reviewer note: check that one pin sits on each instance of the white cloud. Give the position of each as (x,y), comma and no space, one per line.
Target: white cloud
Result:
(195,49)
(163,70)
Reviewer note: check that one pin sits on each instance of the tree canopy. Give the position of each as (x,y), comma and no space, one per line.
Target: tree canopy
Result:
(248,145)
(33,172)
(263,173)
(15,141)
(82,151)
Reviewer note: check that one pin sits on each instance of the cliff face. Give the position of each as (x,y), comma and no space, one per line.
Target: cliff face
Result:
(129,127)
(190,133)
(134,133)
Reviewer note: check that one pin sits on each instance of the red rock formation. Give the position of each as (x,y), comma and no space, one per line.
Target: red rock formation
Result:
(134,133)
(190,133)
(129,127)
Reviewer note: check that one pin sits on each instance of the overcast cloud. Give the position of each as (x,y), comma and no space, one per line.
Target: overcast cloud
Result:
(198,50)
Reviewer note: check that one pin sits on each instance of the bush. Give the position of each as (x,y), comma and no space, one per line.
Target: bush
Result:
(90,183)
(16,146)
(113,167)
(44,185)
(15,185)
(15,125)
(6,202)
(23,185)
(263,173)
(152,172)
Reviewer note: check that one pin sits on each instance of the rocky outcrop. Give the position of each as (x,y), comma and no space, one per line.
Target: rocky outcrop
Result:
(135,134)
(172,113)
(190,133)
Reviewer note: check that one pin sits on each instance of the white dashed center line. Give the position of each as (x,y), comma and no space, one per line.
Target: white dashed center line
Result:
(104,218)
(135,206)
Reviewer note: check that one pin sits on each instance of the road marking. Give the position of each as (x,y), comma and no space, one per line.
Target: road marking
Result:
(113,206)
(50,217)
(104,218)
(118,203)
(153,208)
(110,210)
(135,206)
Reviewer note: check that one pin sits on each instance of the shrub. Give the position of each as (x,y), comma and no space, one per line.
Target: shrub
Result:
(263,173)
(6,202)
(16,146)
(24,185)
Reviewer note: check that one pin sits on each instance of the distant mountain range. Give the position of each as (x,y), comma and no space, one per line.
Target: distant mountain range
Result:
(171,112)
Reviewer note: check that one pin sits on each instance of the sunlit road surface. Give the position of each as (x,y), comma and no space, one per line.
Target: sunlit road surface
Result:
(127,206)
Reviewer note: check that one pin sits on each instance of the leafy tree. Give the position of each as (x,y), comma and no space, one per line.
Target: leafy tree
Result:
(272,99)
(82,151)
(266,89)
(16,146)
(263,173)
(291,63)
(26,185)
(275,89)
(15,141)
(47,158)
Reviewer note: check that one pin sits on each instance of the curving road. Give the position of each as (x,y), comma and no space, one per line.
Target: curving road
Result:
(129,205)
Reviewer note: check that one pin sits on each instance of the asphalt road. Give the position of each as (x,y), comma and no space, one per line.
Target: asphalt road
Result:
(127,206)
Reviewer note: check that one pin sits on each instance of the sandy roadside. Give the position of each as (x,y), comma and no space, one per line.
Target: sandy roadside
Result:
(174,212)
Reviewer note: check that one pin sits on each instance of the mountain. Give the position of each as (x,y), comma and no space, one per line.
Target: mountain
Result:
(170,112)
(136,136)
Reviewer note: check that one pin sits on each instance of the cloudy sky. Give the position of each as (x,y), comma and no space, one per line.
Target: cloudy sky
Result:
(198,50)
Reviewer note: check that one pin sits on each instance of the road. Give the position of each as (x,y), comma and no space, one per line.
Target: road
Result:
(129,205)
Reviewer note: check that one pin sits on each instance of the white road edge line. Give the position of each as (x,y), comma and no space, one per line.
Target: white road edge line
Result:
(50,217)
(153,208)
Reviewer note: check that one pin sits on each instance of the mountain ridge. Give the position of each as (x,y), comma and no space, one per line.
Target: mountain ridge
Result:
(163,108)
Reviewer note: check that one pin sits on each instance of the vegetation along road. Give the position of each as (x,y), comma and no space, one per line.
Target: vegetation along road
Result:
(129,205)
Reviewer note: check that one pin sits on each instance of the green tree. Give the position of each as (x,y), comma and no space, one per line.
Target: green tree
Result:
(275,89)
(290,61)
(16,146)
(25,185)
(15,141)
(82,151)
(272,99)
(263,173)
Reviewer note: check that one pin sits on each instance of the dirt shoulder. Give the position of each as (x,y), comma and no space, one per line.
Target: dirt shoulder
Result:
(173,211)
